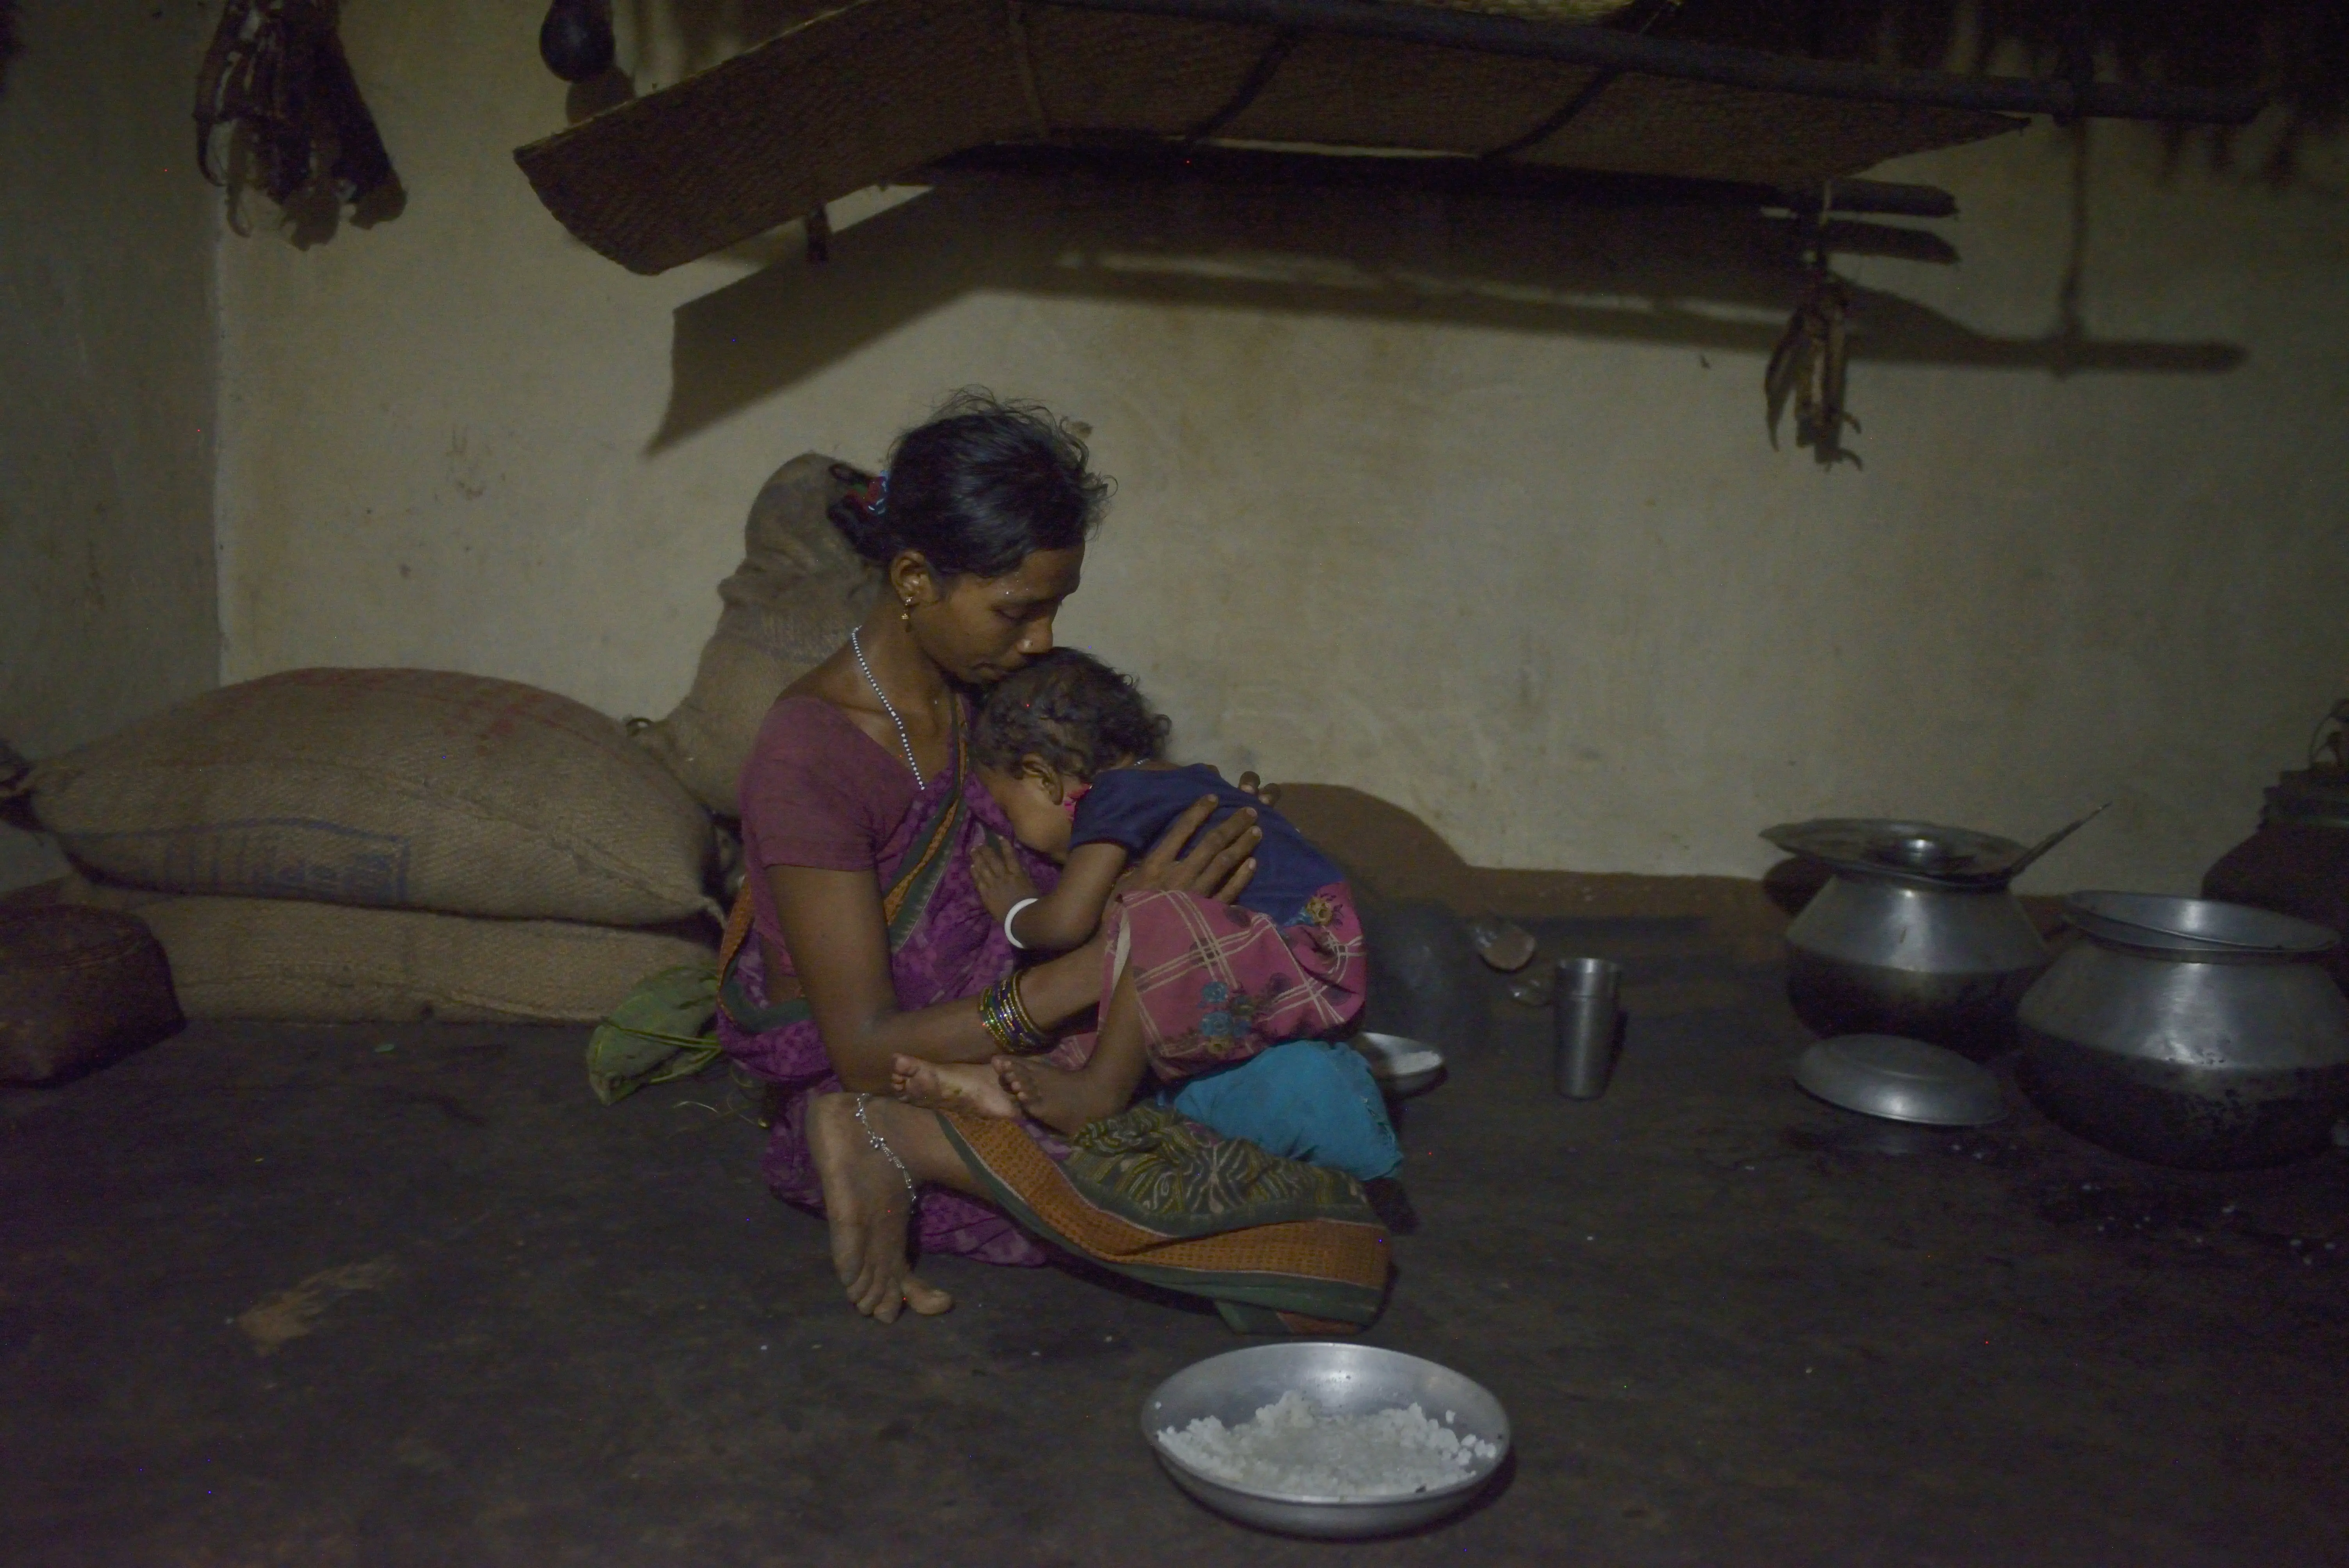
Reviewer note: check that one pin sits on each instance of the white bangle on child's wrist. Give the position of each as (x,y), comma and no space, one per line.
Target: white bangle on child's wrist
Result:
(1013,915)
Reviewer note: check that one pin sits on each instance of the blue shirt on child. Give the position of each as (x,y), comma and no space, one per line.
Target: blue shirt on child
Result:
(1130,807)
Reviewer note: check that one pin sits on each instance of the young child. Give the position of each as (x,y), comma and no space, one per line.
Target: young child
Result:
(1070,750)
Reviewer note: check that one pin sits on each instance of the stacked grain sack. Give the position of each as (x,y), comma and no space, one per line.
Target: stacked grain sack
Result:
(352,844)
(343,845)
(791,603)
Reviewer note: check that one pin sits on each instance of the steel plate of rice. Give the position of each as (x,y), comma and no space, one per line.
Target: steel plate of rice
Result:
(1327,1440)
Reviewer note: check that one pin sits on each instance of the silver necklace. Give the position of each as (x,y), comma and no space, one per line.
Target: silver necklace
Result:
(888,708)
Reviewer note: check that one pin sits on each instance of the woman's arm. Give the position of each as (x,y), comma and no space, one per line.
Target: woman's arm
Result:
(839,943)
(1070,913)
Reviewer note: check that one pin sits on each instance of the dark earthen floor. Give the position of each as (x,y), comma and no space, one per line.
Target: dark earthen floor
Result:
(1732,1326)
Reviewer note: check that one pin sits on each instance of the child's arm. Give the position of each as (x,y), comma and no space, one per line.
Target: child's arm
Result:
(1002,881)
(1068,915)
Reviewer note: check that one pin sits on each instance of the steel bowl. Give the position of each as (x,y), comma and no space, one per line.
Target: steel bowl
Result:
(1402,1065)
(1900,1081)
(1342,1379)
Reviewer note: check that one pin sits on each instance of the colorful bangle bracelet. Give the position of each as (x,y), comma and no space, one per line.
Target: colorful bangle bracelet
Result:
(1007,1020)
(1037,1040)
(992,1015)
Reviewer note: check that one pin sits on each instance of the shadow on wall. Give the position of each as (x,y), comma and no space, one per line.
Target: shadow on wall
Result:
(1643,270)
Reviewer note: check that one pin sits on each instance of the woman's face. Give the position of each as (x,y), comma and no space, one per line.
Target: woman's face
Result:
(980,629)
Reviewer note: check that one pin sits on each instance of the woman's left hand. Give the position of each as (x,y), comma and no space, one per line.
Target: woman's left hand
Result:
(1217,865)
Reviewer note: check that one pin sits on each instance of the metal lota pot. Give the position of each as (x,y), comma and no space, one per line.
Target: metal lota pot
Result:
(2188,1032)
(1916,933)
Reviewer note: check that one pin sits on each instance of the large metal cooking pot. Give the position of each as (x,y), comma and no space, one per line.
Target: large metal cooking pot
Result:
(2190,1032)
(1916,933)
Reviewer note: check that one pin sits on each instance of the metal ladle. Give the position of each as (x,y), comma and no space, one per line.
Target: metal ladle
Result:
(1923,853)
(2022,863)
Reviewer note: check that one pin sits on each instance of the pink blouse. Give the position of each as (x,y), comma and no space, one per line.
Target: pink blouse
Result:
(818,791)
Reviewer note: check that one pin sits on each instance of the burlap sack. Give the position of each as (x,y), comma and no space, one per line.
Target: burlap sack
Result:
(296,962)
(403,788)
(791,603)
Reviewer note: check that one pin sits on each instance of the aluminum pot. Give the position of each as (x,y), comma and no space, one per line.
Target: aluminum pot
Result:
(1916,934)
(2188,1032)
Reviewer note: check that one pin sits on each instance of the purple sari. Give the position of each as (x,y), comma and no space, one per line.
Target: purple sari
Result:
(951,948)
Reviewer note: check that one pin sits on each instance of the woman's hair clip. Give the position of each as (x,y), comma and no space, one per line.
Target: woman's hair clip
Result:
(873,499)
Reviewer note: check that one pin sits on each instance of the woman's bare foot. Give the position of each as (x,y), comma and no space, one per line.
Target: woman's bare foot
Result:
(866,1203)
(964,1086)
(1062,1100)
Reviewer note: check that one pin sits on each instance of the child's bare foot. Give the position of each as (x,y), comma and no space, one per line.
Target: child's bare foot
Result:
(965,1087)
(1062,1100)
(868,1208)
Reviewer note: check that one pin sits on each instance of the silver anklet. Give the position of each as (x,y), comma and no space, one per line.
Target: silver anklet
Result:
(881,1144)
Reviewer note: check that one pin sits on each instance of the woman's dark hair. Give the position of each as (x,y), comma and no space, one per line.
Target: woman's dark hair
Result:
(1071,710)
(976,490)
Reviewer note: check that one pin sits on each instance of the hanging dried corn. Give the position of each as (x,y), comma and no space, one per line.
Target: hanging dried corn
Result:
(1807,367)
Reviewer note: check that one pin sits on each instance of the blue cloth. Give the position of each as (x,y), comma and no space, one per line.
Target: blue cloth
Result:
(1306,1099)
(1130,807)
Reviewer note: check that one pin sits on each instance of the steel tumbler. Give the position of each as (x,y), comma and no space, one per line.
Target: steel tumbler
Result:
(1588,1019)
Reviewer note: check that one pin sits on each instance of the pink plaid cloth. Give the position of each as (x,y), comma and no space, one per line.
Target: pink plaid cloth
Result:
(1219,984)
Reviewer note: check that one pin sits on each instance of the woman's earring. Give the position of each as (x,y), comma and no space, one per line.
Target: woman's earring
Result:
(906,612)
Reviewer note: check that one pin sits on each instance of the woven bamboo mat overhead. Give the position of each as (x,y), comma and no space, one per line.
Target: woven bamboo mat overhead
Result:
(879,88)
(1654,124)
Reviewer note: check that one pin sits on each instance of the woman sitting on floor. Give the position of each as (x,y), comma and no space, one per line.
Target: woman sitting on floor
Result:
(869,939)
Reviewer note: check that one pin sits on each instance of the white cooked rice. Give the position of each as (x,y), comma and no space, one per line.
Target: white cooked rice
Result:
(1290,1448)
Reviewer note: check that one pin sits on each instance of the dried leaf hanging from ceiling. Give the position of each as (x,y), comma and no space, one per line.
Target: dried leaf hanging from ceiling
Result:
(276,103)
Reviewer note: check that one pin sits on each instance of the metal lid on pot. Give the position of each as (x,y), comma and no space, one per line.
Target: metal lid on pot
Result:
(1927,853)
(1901,1079)
(2193,927)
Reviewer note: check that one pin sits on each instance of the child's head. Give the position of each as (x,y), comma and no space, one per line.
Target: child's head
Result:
(1049,730)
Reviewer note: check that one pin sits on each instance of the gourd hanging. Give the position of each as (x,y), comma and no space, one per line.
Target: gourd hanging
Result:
(575,40)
